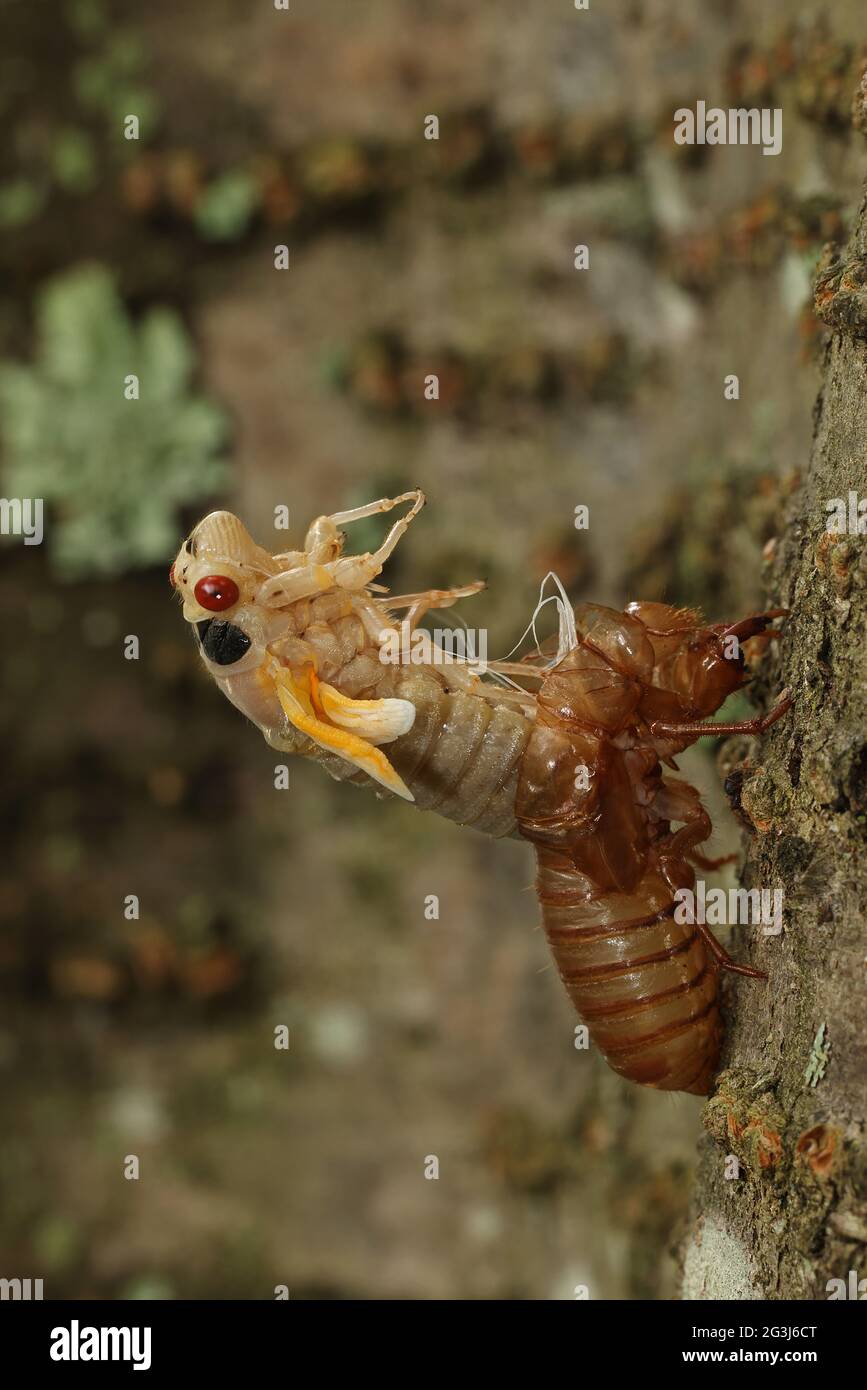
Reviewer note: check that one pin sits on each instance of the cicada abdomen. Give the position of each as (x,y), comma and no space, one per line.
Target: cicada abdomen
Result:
(593,800)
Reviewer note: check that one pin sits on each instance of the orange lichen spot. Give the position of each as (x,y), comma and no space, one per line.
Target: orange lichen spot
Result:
(735,1129)
(823,545)
(87,977)
(153,957)
(817,1148)
(768,1145)
(212,974)
(824,294)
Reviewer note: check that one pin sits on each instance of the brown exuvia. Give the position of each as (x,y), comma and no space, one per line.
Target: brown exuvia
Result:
(564,750)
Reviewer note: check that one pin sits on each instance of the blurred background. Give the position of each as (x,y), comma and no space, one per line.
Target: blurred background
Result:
(304,387)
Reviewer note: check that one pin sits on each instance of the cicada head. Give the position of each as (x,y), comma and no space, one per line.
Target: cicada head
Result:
(219,574)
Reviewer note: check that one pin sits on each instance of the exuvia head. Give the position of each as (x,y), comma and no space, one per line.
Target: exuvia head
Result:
(712,665)
(701,666)
(707,671)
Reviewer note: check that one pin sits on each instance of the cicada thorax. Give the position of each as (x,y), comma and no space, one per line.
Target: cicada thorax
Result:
(594,804)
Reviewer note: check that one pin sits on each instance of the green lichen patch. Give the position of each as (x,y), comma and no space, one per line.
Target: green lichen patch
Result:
(819,1057)
(113,470)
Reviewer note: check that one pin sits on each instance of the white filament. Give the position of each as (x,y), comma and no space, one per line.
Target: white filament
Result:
(567,638)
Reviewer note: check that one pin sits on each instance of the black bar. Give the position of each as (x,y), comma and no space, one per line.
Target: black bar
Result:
(231,1338)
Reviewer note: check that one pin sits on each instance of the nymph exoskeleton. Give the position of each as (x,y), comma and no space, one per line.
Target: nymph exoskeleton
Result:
(564,750)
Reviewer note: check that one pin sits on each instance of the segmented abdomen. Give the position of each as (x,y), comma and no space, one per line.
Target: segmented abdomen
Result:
(461,758)
(642,982)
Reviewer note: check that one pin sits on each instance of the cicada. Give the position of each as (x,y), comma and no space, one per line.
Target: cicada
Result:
(564,748)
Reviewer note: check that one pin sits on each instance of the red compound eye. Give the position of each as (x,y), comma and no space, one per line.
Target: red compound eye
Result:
(216,593)
(172,575)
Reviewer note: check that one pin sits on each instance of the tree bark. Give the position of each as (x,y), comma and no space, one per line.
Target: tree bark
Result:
(790,1215)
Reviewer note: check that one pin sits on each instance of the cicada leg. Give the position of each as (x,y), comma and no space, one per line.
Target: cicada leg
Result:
(682,800)
(723,959)
(756,623)
(696,728)
(323,569)
(701,861)
(420,604)
(357,571)
(519,668)
(384,504)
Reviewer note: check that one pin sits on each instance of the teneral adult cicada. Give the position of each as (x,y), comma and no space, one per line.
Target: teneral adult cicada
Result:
(564,749)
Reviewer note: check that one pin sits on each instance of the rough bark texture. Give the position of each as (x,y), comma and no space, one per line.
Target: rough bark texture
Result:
(791,1105)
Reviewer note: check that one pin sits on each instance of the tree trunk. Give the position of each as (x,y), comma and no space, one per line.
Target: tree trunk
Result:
(780,1207)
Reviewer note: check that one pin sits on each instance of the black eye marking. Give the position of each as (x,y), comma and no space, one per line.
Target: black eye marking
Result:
(189,547)
(222,642)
